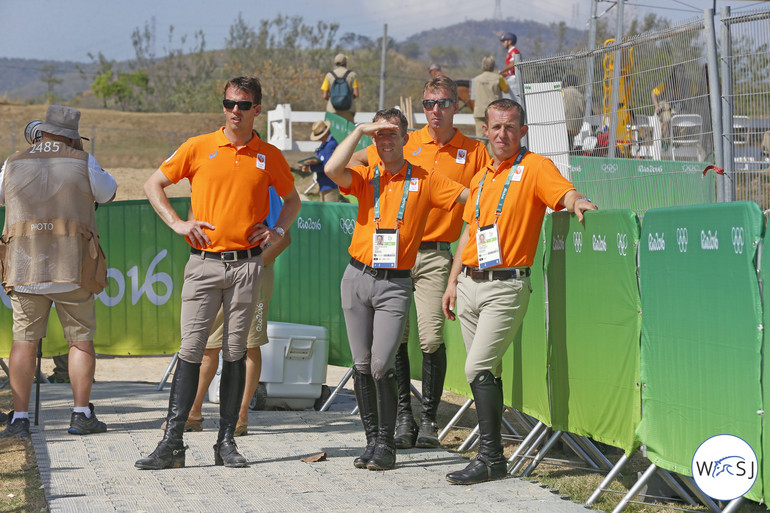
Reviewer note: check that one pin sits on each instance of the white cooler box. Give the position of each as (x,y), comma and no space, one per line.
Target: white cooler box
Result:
(293,368)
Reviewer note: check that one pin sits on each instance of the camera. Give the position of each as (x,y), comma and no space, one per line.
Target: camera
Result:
(32,132)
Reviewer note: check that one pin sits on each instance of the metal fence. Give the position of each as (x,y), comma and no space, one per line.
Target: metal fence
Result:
(664,96)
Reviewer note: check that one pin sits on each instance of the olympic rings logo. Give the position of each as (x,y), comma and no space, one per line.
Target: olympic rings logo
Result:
(609,168)
(737,235)
(622,243)
(690,169)
(681,239)
(577,241)
(347,225)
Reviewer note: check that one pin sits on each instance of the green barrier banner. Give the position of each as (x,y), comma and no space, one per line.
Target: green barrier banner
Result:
(138,312)
(641,184)
(525,364)
(309,271)
(701,344)
(594,323)
(764,455)
(341,128)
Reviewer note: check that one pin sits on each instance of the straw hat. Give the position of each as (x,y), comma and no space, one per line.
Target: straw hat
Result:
(319,130)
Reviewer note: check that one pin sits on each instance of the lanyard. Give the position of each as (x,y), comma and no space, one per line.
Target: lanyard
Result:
(504,193)
(404,195)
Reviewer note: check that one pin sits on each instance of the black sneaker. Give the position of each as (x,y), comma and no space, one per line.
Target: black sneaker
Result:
(18,429)
(82,425)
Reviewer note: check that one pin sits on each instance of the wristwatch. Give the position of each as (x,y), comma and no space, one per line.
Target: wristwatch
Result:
(280,231)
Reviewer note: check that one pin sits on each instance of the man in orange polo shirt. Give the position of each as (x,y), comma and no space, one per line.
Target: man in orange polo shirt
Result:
(490,272)
(438,146)
(394,199)
(229,171)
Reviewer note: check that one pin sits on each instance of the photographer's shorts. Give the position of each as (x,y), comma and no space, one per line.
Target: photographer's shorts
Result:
(75,309)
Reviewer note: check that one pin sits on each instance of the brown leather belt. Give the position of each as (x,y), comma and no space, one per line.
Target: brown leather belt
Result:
(501,274)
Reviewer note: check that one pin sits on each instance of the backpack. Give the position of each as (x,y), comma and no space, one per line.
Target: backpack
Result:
(340,94)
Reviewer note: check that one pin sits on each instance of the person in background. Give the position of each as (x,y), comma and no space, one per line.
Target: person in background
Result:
(320,131)
(508,40)
(350,77)
(486,88)
(574,107)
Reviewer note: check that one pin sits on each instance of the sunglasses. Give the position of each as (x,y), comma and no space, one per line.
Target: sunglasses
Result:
(444,103)
(243,105)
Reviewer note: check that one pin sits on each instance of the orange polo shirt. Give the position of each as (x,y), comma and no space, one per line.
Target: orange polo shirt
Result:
(427,190)
(536,185)
(459,159)
(229,186)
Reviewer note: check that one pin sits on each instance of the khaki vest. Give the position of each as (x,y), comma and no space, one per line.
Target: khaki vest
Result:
(50,232)
(486,89)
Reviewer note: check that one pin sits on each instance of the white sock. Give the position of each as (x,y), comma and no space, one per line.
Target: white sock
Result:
(18,415)
(84,410)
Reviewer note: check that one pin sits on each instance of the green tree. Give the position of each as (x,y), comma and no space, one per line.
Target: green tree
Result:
(48,76)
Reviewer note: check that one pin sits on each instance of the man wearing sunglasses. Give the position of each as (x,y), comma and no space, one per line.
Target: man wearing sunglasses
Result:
(440,147)
(230,172)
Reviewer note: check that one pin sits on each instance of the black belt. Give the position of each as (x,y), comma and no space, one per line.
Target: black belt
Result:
(508,274)
(381,274)
(229,256)
(435,244)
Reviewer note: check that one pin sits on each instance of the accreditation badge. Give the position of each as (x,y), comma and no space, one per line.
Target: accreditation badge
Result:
(385,249)
(260,161)
(488,246)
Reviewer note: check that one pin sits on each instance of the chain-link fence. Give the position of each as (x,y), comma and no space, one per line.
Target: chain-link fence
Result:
(649,99)
(746,102)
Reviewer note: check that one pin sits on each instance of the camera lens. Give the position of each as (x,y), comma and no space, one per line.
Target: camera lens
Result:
(32,133)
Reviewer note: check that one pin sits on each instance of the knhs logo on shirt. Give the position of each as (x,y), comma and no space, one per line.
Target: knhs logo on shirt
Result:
(260,161)
(461,156)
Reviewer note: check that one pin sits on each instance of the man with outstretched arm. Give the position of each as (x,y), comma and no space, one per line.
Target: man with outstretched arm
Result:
(394,198)
(490,272)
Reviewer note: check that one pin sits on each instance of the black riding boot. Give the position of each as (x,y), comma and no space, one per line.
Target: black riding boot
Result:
(490,463)
(231,385)
(433,374)
(384,457)
(170,450)
(366,397)
(406,427)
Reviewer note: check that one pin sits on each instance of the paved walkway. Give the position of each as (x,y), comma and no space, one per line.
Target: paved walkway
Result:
(96,473)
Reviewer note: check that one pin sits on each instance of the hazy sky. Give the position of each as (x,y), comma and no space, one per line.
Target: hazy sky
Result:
(53,29)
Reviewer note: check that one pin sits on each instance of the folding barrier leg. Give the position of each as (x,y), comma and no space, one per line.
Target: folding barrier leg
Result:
(525,420)
(415,392)
(39,378)
(5,368)
(590,448)
(635,489)
(733,506)
(524,444)
(337,389)
(470,440)
(530,450)
(705,499)
(607,480)
(512,430)
(455,419)
(541,453)
(681,492)
(572,443)
(168,371)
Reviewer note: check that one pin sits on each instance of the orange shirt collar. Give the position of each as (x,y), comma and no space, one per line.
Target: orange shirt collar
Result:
(222,140)
(504,165)
(424,137)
